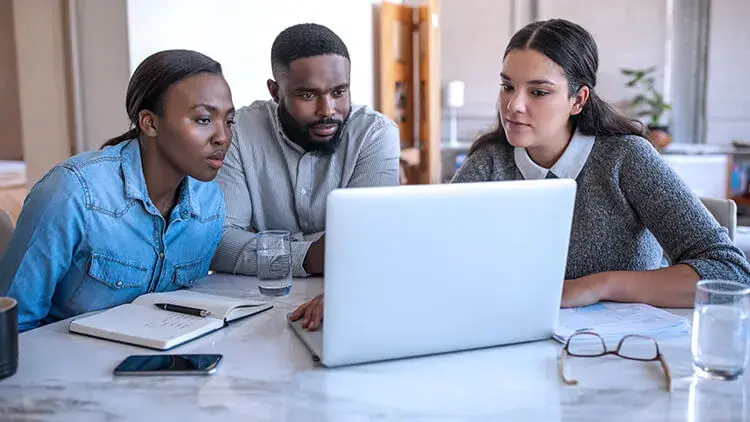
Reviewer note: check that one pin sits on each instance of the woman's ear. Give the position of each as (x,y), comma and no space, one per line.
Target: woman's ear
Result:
(579,100)
(147,121)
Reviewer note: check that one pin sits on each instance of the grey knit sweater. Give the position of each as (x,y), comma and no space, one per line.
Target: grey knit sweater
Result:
(629,204)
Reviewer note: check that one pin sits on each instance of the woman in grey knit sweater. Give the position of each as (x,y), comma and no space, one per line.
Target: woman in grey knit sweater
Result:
(629,203)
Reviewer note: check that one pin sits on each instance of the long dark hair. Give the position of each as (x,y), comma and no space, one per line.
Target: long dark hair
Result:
(573,49)
(153,77)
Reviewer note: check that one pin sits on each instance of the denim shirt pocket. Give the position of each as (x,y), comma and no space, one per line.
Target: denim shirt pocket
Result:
(185,275)
(110,282)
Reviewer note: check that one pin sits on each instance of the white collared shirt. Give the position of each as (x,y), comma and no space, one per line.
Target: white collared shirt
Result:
(568,166)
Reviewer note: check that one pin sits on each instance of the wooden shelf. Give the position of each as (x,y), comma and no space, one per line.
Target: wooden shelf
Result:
(742,201)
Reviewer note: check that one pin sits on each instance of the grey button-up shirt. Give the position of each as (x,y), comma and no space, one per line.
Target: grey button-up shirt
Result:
(271,183)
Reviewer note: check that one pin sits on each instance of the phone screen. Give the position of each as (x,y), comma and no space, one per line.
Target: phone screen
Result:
(169,364)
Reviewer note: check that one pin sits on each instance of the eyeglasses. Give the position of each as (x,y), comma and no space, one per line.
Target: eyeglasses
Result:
(588,344)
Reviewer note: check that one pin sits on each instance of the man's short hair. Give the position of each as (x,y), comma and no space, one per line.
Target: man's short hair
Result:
(304,40)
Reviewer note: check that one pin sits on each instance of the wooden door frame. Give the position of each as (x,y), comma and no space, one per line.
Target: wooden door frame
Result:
(419,73)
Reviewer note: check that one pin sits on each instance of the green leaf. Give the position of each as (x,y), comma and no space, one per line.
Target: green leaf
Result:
(638,99)
(649,102)
(654,104)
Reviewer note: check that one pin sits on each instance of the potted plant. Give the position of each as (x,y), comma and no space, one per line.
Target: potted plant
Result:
(649,103)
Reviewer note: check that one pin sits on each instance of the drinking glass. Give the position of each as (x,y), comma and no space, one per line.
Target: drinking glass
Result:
(274,263)
(720,329)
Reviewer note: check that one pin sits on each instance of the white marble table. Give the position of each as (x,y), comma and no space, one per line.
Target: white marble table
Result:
(268,375)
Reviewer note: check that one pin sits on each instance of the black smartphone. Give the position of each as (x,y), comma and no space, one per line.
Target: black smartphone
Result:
(197,364)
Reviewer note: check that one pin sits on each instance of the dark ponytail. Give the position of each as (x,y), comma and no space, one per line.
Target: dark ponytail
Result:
(598,118)
(573,49)
(151,80)
(131,134)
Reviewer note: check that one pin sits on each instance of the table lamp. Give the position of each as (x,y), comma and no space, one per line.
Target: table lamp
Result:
(454,99)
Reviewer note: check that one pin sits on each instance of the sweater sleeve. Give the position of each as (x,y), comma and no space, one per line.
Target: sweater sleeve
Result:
(478,167)
(680,222)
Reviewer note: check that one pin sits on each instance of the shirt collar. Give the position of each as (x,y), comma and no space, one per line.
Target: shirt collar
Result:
(568,166)
(135,182)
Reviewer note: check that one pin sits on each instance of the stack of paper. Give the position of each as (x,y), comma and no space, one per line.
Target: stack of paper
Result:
(613,321)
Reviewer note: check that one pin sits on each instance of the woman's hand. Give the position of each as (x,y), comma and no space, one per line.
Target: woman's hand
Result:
(585,290)
(670,287)
(312,312)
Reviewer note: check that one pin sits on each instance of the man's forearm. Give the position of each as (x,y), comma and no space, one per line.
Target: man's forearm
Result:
(237,254)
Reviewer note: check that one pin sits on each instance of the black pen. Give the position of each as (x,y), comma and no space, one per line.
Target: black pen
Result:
(183,309)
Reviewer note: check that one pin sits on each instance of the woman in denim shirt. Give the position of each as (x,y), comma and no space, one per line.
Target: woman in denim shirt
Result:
(140,215)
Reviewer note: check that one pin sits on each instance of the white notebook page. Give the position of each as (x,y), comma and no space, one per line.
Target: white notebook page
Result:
(144,325)
(219,306)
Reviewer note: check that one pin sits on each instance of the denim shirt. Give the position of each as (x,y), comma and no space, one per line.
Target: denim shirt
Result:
(90,238)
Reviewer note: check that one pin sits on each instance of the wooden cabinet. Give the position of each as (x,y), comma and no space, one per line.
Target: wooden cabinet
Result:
(715,172)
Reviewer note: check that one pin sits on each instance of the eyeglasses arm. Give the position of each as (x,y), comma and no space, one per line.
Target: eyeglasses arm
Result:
(562,369)
(667,373)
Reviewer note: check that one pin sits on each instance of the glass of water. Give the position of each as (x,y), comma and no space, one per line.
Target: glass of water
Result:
(274,263)
(720,329)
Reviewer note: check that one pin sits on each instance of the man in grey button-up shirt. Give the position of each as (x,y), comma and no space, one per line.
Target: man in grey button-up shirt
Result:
(289,153)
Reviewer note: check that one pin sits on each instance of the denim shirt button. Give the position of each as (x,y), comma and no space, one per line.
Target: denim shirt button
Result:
(161,254)
(185,214)
(118,283)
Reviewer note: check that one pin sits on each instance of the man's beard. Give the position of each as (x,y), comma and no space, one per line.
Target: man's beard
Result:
(300,135)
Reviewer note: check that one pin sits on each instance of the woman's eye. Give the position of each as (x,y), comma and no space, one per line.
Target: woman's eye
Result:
(506,87)
(203,120)
(538,93)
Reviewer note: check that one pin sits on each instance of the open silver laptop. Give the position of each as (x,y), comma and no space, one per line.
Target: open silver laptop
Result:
(426,269)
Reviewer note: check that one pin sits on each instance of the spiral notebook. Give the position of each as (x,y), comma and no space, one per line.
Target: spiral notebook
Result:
(143,324)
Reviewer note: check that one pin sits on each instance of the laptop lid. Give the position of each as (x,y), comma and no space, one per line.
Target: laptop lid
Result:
(424,269)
